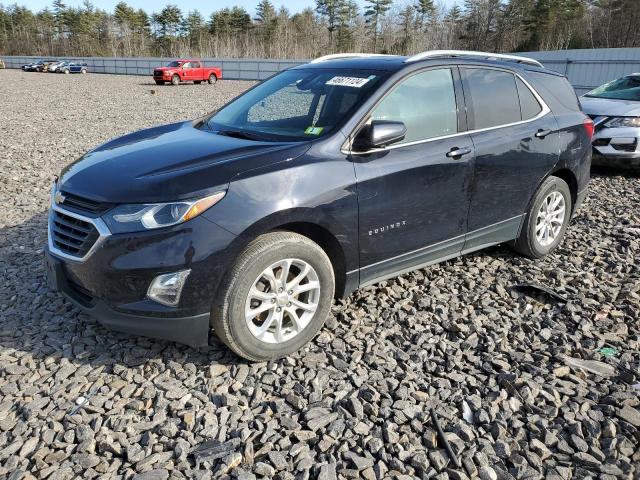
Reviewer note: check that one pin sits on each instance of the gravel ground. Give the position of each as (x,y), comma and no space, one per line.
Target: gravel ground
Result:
(518,379)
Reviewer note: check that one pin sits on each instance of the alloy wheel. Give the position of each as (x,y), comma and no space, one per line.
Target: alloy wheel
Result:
(282,300)
(550,218)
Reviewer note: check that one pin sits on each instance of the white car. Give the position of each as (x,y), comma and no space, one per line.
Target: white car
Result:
(615,110)
(54,66)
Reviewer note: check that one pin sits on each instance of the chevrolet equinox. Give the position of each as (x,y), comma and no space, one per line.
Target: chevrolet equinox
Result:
(326,177)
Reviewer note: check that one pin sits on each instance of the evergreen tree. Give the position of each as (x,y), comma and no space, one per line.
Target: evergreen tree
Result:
(374,11)
(425,9)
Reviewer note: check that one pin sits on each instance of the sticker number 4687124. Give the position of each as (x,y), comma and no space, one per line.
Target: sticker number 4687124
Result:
(356,82)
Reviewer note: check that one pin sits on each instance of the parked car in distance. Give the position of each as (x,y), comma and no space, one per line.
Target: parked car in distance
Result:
(72,67)
(615,110)
(186,71)
(53,67)
(324,178)
(38,66)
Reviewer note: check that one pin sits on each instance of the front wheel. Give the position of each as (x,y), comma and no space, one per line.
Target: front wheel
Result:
(275,298)
(175,80)
(83,71)
(547,219)
(66,70)
(212,79)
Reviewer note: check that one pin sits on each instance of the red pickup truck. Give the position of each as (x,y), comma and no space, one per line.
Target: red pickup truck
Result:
(186,71)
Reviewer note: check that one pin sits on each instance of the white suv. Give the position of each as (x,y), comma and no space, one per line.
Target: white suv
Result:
(615,110)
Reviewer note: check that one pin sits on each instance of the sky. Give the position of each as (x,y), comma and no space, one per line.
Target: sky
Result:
(186,5)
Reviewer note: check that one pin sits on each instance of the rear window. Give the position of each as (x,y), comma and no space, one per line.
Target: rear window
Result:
(555,90)
(494,97)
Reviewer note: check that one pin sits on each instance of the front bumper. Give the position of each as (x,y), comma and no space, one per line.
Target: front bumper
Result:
(618,147)
(111,282)
(190,330)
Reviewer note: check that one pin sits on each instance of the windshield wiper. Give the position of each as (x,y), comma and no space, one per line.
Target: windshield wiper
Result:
(239,134)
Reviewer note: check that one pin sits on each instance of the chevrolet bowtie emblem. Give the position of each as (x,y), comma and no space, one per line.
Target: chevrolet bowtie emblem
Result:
(59,197)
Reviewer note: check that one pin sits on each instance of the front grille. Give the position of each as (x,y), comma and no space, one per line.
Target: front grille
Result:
(157,73)
(601,142)
(81,204)
(71,235)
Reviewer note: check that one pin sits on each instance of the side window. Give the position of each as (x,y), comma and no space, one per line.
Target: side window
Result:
(195,65)
(529,105)
(425,102)
(286,103)
(186,65)
(494,97)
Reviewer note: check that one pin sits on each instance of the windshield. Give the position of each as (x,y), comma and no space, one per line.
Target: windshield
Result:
(298,104)
(625,88)
(173,64)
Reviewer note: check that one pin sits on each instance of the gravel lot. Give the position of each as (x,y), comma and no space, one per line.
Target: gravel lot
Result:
(518,379)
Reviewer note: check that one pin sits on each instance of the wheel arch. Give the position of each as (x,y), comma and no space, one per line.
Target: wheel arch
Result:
(328,242)
(570,178)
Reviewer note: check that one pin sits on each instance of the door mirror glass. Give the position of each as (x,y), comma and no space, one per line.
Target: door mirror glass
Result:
(379,134)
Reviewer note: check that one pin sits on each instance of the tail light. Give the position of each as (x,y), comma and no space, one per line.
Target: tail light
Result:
(588,127)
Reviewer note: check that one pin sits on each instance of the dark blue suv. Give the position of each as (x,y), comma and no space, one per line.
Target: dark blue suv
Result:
(322,179)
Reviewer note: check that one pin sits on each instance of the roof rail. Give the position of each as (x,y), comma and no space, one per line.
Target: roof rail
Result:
(338,56)
(465,53)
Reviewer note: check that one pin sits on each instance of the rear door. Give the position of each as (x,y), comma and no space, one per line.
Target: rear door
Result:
(515,138)
(196,68)
(413,196)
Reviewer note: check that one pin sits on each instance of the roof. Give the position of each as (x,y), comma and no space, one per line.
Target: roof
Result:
(398,62)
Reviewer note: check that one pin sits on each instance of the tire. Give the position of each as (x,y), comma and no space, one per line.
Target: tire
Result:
(83,71)
(532,241)
(159,82)
(175,80)
(66,71)
(197,82)
(212,79)
(232,302)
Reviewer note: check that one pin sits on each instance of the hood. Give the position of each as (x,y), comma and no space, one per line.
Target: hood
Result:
(170,162)
(164,69)
(610,107)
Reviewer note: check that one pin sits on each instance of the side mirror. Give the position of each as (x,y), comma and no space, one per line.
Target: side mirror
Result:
(380,133)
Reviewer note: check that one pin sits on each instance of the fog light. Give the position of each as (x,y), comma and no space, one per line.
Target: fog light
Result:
(166,288)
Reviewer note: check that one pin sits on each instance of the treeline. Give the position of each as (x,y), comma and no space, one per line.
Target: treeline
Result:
(386,26)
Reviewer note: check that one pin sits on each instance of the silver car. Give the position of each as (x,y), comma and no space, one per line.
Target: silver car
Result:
(615,110)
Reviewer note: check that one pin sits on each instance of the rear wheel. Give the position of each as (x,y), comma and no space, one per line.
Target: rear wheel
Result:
(83,71)
(175,80)
(212,79)
(159,82)
(275,298)
(66,70)
(547,219)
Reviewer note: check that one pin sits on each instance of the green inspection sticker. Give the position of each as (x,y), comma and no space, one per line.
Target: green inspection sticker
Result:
(313,130)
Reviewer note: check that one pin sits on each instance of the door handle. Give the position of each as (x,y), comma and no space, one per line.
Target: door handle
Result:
(543,133)
(456,152)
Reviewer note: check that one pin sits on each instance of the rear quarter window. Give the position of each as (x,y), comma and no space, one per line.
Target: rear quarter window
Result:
(529,105)
(555,90)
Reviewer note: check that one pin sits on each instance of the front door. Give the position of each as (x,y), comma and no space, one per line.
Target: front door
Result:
(516,144)
(414,195)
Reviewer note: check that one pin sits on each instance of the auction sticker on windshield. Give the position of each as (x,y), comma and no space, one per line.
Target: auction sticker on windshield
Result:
(356,82)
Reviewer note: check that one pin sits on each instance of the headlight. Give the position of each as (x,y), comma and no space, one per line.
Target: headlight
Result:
(147,216)
(617,122)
